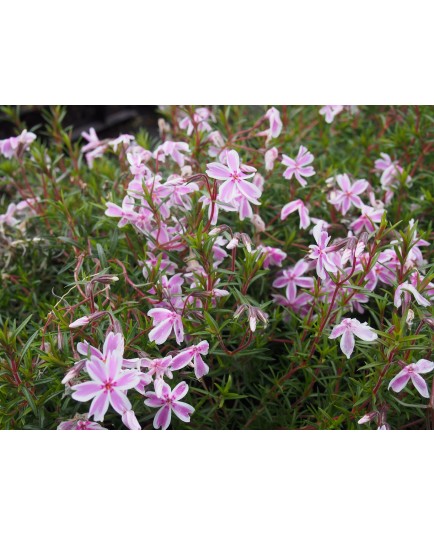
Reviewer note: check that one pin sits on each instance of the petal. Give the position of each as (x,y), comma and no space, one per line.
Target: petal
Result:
(159,314)
(127,380)
(233,161)
(85,391)
(200,367)
(203,347)
(249,190)
(161,332)
(179,330)
(182,359)
(423,366)
(84,348)
(347,343)
(96,370)
(119,401)
(338,331)
(364,332)
(227,191)
(162,418)
(398,383)
(182,410)
(113,365)
(180,391)
(420,384)
(114,343)
(218,171)
(99,406)
(152,400)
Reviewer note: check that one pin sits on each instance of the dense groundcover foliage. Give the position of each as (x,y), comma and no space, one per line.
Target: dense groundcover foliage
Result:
(253,267)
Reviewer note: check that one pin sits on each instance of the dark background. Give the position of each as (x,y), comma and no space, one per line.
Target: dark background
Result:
(108,121)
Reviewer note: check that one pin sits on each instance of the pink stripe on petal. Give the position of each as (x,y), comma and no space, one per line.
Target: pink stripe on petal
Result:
(182,411)
(200,368)
(96,370)
(347,343)
(84,348)
(99,406)
(180,391)
(85,391)
(119,401)
(227,191)
(127,380)
(162,418)
(233,161)
(161,333)
(398,383)
(423,366)
(420,385)
(181,360)
(152,400)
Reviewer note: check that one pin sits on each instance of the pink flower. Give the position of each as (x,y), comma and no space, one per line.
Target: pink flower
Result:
(157,368)
(107,387)
(124,139)
(192,353)
(270,157)
(174,149)
(413,372)
(168,402)
(390,170)
(348,194)
(331,111)
(273,256)
(92,140)
(291,278)
(8,218)
(235,179)
(409,288)
(321,252)
(15,146)
(299,166)
(366,220)
(164,321)
(201,117)
(347,329)
(303,212)
(273,115)
(80,424)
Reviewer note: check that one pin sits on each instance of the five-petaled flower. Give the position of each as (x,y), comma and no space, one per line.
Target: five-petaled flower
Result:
(192,353)
(413,372)
(348,194)
(347,329)
(299,167)
(164,321)
(292,278)
(235,177)
(321,252)
(107,386)
(168,402)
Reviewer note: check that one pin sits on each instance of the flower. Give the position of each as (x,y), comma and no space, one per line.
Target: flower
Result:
(270,157)
(348,194)
(366,220)
(168,402)
(408,287)
(124,139)
(390,170)
(291,278)
(107,387)
(15,146)
(347,329)
(235,179)
(201,116)
(273,115)
(331,111)
(173,149)
(321,252)
(80,422)
(164,321)
(158,368)
(299,166)
(413,372)
(192,353)
(273,256)
(303,212)
(130,420)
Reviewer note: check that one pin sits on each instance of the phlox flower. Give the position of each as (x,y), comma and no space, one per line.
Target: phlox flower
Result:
(299,167)
(161,260)
(390,170)
(235,179)
(157,369)
(347,329)
(270,157)
(321,253)
(348,194)
(408,288)
(123,139)
(168,402)
(331,111)
(107,386)
(300,304)
(201,117)
(192,354)
(291,278)
(80,422)
(12,147)
(92,140)
(174,149)
(216,149)
(164,321)
(8,218)
(369,216)
(303,212)
(273,256)
(137,168)
(273,115)
(413,372)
